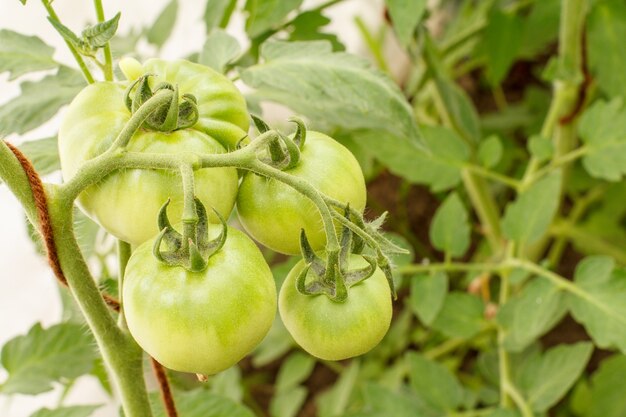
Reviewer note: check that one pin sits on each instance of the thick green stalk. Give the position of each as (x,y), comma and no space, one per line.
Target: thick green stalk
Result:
(120,352)
(108,57)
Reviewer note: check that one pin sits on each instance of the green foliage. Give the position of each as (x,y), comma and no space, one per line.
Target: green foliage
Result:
(450,230)
(20,54)
(44,356)
(74,411)
(162,27)
(428,293)
(219,50)
(373,102)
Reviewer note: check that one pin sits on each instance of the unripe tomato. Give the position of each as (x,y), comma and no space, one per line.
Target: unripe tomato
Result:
(200,322)
(126,203)
(337,330)
(274,213)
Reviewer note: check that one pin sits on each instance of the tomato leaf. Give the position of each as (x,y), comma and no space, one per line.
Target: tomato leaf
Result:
(462,315)
(264,15)
(307,27)
(217,13)
(435,384)
(405,16)
(219,50)
(39,101)
(200,403)
(294,370)
(438,168)
(334,401)
(450,229)
(228,384)
(73,411)
(501,41)
(607,397)
(43,356)
(20,54)
(606,28)
(531,313)
(603,130)
(288,403)
(598,304)
(335,88)
(160,31)
(43,153)
(490,151)
(546,378)
(98,35)
(528,217)
(428,293)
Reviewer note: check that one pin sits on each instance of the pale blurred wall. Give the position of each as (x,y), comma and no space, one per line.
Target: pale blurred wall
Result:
(27,287)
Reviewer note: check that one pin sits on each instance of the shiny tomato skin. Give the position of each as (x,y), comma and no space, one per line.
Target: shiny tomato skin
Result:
(126,203)
(274,213)
(331,330)
(200,322)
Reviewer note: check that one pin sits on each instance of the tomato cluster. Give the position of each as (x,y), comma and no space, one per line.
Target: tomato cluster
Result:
(206,320)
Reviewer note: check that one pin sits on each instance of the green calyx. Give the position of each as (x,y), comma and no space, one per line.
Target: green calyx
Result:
(174,115)
(283,151)
(333,277)
(191,252)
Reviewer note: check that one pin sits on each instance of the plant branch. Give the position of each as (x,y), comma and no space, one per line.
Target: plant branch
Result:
(79,59)
(108,58)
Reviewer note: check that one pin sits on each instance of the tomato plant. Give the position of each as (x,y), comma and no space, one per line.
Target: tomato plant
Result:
(274,213)
(332,330)
(492,137)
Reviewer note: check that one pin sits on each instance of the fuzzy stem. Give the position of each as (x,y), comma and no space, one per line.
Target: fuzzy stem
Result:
(120,352)
(79,59)
(190,217)
(108,58)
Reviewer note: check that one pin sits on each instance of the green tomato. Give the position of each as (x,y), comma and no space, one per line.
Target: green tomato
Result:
(274,213)
(200,322)
(331,330)
(126,203)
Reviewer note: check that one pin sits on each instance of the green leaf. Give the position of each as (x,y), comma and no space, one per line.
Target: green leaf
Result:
(450,229)
(21,54)
(295,369)
(217,13)
(288,403)
(39,101)
(160,31)
(603,130)
(501,41)
(598,303)
(264,15)
(405,16)
(428,293)
(382,402)
(606,30)
(200,403)
(531,313)
(463,114)
(43,153)
(540,147)
(528,217)
(546,378)
(490,151)
(541,28)
(228,384)
(462,315)
(503,412)
(66,33)
(74,411)
(331,87)
(334,401)
(439,168)
(98,35)
(307,27)
(43,356)
(607,389)
(435,384)
(219,50)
